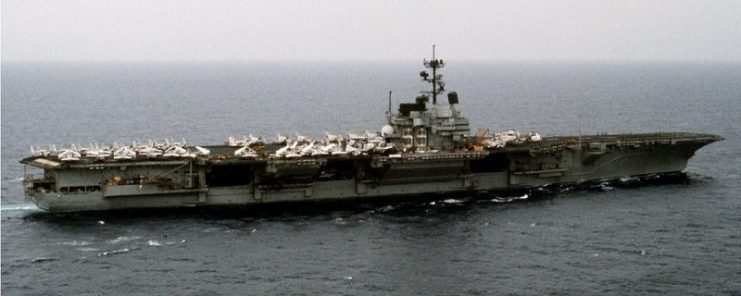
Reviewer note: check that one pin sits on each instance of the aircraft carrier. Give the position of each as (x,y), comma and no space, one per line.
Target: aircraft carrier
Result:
(426,148)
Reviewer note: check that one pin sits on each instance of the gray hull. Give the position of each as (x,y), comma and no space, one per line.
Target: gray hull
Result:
(203,182)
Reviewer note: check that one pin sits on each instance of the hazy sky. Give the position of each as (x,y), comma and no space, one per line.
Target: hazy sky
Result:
(95,30)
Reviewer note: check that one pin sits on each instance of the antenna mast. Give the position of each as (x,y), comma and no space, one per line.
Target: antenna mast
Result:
(438,86)
(389,113)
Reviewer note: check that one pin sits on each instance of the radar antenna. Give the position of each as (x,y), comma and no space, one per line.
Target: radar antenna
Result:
(438,86)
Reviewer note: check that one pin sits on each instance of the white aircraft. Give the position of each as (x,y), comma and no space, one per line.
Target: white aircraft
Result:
(160,145)
(202,151)
(337,151)
(69,154)
(377,141)
(245,151)
(176,151)
(328,148)
(178,144)
(352,136)
(301,139)
(79,148)
(251,140)
(494,143)
(329,138)
(280,139)
(534,137)
(319,151)
(368,147)
(284,150)
(231,141)
(351,149)
(510,135)
(292,154)
(39,152)
(92,151)
(149,152)
(383,148)
(307,149)
(123,153)
(289,151)
(103,152)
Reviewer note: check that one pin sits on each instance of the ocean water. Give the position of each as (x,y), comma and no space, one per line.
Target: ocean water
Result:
(679,238)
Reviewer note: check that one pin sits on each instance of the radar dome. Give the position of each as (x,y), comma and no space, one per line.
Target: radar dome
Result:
(387,130)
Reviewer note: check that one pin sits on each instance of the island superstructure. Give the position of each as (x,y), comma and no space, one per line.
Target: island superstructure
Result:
(425,148)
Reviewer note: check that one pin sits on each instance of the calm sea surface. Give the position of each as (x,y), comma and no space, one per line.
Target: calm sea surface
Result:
(676,239)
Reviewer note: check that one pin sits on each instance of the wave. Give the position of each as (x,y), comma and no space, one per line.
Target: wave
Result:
(13,180)
(76,243)
(123,239)
(453,201)
(509,199)
(87,249)
(20,207)
(113,252)
(42,259)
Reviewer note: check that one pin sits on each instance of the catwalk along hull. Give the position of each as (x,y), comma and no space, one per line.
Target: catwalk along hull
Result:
(90,185)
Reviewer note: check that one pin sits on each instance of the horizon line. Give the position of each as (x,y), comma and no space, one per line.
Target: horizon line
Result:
(361,60)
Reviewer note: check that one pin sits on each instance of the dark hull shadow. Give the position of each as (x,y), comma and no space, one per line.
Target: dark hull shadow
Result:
(394,205)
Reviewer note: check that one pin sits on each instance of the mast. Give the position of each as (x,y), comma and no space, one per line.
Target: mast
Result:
(389,113)
(438,86)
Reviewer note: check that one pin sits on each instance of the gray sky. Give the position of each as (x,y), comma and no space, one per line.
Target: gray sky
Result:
(146,30)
